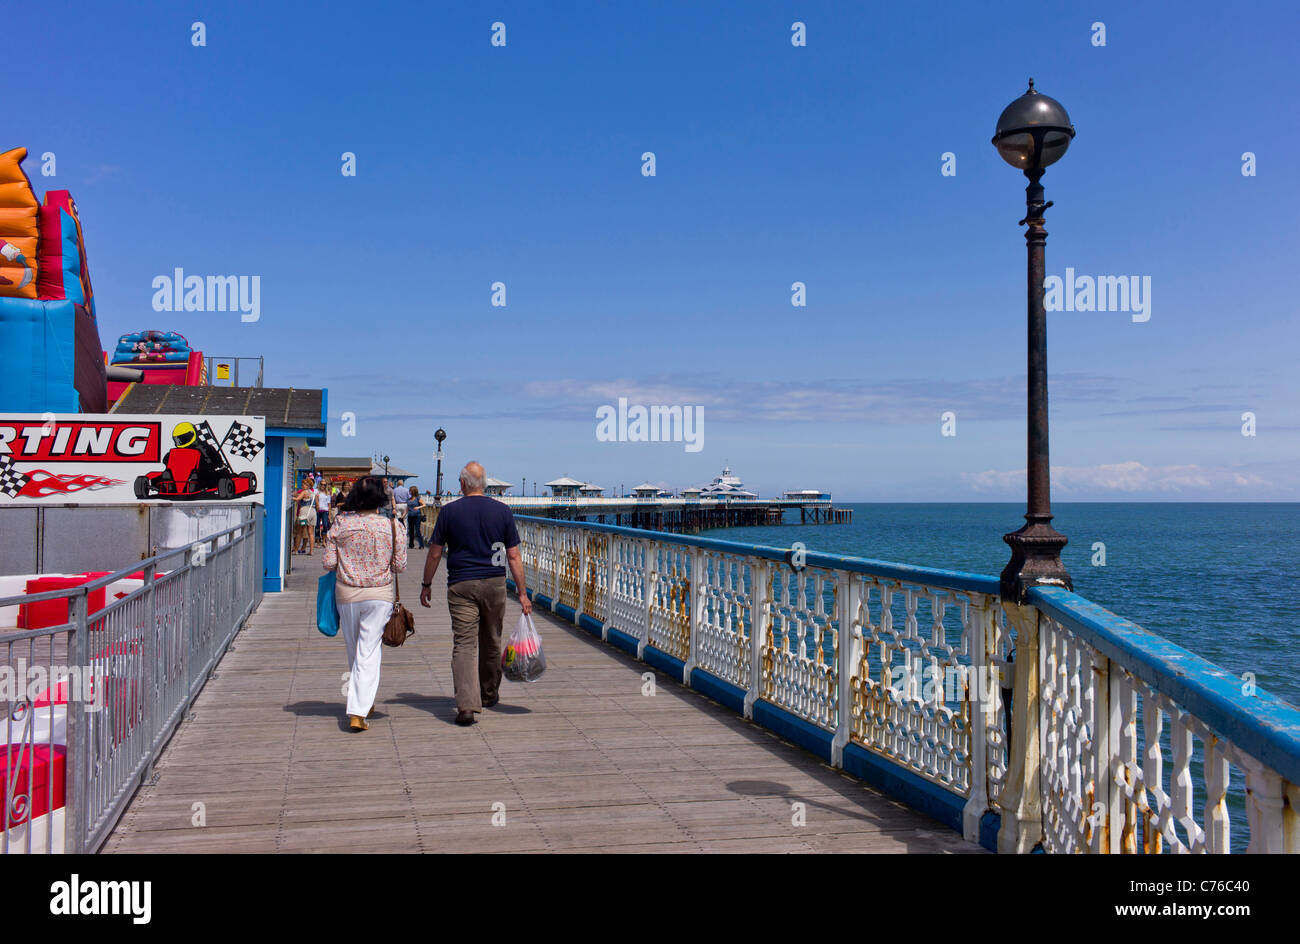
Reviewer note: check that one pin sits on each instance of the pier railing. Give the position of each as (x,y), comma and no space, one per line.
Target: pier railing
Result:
(92,701)
(1054,725)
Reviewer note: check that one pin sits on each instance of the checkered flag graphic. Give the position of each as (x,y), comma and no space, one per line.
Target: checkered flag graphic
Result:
(208,437)
(240,440)
(11,480)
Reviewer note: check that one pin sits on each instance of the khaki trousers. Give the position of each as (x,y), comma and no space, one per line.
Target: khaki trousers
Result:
(478,610)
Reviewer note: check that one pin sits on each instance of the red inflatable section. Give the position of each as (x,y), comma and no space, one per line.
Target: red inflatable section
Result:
(18,762)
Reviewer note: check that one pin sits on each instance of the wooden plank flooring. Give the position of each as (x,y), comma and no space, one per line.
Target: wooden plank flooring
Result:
(580,760)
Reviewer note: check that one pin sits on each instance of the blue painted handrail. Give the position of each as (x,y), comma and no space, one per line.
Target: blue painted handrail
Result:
(904,573)
(1262,725)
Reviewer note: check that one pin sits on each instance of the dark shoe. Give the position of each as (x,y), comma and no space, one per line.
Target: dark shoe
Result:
(489,702)
(464,717)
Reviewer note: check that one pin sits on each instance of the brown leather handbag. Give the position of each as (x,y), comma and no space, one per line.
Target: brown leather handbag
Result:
(401,624)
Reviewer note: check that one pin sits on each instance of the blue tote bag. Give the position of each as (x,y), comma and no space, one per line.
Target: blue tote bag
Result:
(327,611)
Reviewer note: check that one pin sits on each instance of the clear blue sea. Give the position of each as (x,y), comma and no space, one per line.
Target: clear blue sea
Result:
(1220,579)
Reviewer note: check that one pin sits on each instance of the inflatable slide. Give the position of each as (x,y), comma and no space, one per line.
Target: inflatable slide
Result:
(47,307)
(153,357)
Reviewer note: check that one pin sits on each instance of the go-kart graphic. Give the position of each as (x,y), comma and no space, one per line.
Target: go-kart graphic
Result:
(197,468)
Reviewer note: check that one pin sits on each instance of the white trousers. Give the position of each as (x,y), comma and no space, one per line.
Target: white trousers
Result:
(363,631)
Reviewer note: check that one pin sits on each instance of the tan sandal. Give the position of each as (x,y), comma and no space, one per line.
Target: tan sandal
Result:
(359,723)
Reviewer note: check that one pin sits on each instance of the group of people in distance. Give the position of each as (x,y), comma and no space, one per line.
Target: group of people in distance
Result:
(366,548)
(316,505)
(312,507)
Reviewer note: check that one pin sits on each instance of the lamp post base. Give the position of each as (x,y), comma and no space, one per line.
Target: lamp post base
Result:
(1035,559)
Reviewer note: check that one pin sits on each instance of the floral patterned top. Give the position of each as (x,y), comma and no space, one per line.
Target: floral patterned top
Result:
(359,549)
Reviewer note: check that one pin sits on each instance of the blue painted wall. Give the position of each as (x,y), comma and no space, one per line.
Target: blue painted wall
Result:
(273,536)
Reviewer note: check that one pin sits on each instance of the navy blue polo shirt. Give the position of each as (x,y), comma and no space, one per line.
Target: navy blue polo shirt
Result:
(469,527)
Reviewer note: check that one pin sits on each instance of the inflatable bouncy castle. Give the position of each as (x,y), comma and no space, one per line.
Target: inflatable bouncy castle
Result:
(47,307)
(153,357)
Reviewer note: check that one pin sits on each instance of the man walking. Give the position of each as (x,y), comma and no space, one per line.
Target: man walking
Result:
(481,539)
(401,498)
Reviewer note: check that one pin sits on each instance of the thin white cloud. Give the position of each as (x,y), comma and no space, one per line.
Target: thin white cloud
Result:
(1129,479)
(800,399)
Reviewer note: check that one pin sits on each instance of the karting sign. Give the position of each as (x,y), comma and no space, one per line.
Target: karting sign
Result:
(114,459)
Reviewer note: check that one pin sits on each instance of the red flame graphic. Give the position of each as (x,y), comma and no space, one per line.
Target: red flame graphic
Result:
(52,484)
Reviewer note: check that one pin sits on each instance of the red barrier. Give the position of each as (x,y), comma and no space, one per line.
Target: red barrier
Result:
(15,762)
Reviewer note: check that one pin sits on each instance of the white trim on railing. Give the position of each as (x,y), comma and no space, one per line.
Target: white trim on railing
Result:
(1101,752)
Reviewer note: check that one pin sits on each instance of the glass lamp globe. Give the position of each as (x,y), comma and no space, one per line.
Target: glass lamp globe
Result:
(1033,132)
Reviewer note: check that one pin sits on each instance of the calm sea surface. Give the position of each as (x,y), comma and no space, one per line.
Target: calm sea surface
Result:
(1222,580)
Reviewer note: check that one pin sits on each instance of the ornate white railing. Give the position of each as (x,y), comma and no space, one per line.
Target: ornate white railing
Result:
(1112,740)
(1149,748)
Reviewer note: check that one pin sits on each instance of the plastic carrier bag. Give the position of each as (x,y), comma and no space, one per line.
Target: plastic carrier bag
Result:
(523,659)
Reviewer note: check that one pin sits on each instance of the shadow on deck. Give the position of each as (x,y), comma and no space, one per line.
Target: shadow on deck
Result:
(579,761)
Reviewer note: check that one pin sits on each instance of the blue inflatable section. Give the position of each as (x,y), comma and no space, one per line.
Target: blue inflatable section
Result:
(159,348)
(127,356)
(72,287)
(161,337)
(41,336)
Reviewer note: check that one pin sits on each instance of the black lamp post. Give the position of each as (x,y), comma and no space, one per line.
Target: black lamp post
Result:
(1033,132)
(440,435)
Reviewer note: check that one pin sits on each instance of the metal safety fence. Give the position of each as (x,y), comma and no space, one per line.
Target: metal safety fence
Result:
(91,699)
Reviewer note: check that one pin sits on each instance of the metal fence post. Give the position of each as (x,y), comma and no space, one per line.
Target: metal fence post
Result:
(695,614)
(848,597)
(149,650)
(1098,818)
(190,630)
(1266,813)
(649,577)
(553,570)
(611,578)
(1021,800)
(981,703)
(76,819)
(759,627)
(582,578)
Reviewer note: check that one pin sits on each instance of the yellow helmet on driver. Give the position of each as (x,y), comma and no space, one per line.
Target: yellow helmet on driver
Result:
(185,435)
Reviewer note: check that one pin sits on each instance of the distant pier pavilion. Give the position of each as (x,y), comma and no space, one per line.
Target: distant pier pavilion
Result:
(678,515)
(723,503)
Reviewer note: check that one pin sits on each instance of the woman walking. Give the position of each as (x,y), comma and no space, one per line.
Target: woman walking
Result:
(414,519)
(302,518)
(366,551)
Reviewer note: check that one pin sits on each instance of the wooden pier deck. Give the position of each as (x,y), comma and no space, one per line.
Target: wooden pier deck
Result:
(581,760)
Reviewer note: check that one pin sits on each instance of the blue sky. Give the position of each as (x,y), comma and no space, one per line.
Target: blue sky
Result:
(774,164)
